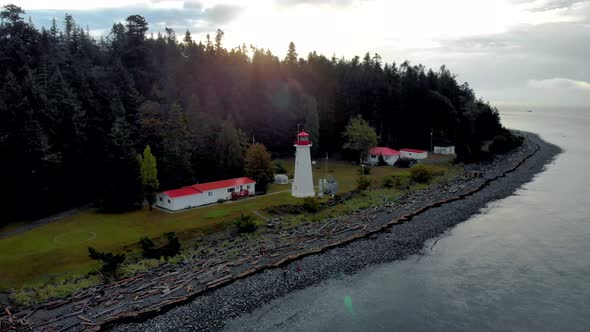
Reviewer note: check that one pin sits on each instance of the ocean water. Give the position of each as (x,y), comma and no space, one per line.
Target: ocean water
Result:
(522,264)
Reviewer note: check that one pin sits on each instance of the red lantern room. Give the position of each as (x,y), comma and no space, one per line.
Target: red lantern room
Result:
(303,139)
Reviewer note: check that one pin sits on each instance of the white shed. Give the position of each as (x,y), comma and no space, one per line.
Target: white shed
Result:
(414,154)
(281,179)
(444,149)
(205,193)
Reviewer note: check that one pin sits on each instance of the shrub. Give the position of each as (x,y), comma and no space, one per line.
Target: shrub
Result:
(147,247)
(279,167)
(311,204)
(505,142)
(381,161)
(404,162)
(221,200)
(110,261)
(245,224)
(469,153)
(388,182)
(420,174)
(364,170)
(52,289)
(129,270)
(424,173)
(363,183)
(395,181)
(170,249)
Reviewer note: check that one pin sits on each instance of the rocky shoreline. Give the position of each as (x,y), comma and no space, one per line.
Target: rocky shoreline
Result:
(208,312)
(205,291)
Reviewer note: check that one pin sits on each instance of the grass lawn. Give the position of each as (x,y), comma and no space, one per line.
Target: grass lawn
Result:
(344,172)
(59,248)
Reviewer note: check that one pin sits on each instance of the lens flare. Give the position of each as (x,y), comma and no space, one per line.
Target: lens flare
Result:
(348,304)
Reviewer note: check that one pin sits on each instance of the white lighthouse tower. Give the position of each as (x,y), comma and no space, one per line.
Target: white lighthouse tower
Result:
(303,182)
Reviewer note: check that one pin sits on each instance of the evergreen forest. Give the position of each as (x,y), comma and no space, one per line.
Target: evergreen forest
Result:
(76,110)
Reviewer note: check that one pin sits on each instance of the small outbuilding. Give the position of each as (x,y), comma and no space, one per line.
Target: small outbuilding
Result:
(281,179)
(444,150)
(205,193)
(414,154)
(389,155)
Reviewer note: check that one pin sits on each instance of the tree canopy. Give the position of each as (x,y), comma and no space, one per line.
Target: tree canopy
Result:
(259,166)
(360,137)
(149,175)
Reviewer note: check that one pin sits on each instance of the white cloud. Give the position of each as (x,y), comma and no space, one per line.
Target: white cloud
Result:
(559,84)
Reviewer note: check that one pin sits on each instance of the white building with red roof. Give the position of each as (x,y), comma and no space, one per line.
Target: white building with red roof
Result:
(414,154)
(205,193)
(389,155)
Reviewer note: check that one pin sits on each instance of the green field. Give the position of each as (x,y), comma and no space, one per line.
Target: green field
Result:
(345,172)
(59,249)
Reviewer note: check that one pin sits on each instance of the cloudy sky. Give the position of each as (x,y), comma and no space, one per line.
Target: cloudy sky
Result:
(512,52)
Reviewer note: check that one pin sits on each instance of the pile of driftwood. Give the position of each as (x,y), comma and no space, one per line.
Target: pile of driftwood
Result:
(11,322)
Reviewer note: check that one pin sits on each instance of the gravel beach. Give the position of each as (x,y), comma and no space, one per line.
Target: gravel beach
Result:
(209,311)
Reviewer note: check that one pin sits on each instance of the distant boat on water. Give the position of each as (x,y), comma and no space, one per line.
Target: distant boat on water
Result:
(529,111)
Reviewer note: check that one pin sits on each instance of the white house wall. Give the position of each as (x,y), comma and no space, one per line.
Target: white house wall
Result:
(414,155)
(444,150)
(390,160)
(178,203)
(190,201)
(213,196)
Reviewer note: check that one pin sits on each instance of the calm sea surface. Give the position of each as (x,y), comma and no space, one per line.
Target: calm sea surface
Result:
(523,264)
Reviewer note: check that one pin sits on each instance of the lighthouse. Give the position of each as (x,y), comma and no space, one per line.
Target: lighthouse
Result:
(303,182)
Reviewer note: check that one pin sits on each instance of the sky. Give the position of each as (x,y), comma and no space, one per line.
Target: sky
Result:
(512,52)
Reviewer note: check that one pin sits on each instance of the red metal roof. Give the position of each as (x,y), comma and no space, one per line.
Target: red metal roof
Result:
(186,191)
(302,133)
(222,184)
(380,150)
(413,150)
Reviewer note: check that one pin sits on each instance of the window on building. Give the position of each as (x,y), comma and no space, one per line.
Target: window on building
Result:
(248,187)
(168,201)
(373,156)
(160,199)
(230,190)
(209,193)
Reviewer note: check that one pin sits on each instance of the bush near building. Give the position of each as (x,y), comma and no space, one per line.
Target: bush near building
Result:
(424,173)
(404,162)
(245,224)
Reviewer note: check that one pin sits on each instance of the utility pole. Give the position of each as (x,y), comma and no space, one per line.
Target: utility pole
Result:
(326,165)
(431,134)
